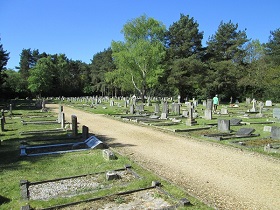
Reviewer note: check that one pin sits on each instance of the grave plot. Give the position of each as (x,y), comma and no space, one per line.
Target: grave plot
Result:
(77,185)
(153,197)
(241,133)
(90,143)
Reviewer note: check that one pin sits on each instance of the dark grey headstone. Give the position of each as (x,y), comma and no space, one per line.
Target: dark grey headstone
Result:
(74,125)
(275,132)
(235,121)
(245,131)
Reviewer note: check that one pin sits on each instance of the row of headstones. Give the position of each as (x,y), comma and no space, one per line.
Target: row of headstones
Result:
(74,123)
(224,127)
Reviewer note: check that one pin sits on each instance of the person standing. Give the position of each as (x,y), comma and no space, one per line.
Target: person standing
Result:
(215,102)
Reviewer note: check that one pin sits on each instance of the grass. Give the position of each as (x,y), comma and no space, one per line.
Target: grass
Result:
(14,168)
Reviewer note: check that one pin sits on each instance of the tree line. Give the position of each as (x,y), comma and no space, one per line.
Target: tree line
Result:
(156,61)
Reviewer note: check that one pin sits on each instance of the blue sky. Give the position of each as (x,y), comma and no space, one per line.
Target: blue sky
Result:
(82,28)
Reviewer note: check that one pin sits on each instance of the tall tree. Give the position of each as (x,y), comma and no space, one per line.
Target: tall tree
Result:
(41,76)
(225,53)
(101,63)
(141,53)
(273,47)
(4,57)
(227,43)
(253,72)
(184,50)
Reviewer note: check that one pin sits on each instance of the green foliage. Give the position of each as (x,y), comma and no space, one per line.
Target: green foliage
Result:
(40,79)
(273,47)
(184,48)
(140,55)
(227,43)
(101,64)
(4,57)
(184,38)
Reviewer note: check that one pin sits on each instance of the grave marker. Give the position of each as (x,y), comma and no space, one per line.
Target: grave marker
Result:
(268,103)
(276,113)
(275,132)
(74,125)
(223,125)
(245,131)
(235,121)
(190,121)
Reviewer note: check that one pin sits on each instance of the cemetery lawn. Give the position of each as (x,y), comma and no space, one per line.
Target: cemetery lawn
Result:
(14,168)
(221,173)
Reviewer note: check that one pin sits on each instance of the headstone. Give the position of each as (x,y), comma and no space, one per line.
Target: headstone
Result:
(254,106)
(267,128)
(245,131)
(62,120)
(60,110)
(163,116)
(11,109)
(177,109)
(275,132)
(276,113)
(131,110)
(156,108)
(224,111)
(190,121)
(209,104)
(248,101)
(108,154)
(208,114)
(179,99)
(185,113)
(85,134)
(111,175)
(235,121)
(2,124)
(74,125)
(268,103)
(165,107)
(3,115)
(223,125)
(204,103)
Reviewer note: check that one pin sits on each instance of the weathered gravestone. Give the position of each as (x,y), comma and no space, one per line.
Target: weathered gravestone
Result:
(208,110)
(156,108)
(223,125)
(190,121)
(245,131)
(176,110)
(60,110)
(235,121)
(131,110)
(165,108)
(224,111)
(276,113)
(275,132)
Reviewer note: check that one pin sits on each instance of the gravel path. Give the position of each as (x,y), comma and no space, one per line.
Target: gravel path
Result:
(223,177)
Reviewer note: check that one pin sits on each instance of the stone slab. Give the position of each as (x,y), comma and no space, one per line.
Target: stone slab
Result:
(245,131)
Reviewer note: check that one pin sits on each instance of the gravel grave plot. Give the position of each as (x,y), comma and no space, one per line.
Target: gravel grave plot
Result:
(145,199)
(76,186)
